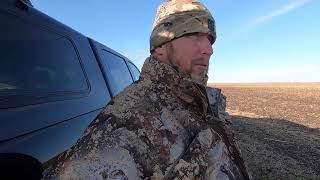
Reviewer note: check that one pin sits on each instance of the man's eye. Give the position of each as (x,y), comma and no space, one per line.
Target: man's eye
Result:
(211,39)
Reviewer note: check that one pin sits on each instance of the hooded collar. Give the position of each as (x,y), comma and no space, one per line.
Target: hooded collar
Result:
(180,84)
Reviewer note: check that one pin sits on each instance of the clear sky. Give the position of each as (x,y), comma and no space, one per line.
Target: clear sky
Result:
(257,41)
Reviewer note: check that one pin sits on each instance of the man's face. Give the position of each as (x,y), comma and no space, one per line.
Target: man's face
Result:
(191,53)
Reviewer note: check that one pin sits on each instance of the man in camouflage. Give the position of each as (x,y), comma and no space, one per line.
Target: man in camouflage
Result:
(167,125)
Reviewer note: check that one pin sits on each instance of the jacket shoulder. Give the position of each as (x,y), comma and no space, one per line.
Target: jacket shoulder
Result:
(217,103)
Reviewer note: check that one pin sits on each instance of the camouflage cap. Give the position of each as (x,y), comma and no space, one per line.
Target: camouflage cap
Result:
(176,18)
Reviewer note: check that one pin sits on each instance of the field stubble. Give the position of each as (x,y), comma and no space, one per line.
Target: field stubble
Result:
(277,127)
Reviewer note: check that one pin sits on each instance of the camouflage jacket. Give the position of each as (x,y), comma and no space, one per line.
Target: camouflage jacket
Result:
(160,127)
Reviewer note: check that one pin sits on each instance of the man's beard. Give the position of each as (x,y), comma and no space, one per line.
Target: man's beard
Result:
(200,78)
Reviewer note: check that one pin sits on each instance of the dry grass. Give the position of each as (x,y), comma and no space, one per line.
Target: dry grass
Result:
(277,127)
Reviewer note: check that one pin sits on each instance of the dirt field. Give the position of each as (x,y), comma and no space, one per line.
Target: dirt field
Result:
(277,127)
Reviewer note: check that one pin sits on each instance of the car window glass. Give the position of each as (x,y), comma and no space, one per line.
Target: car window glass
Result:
(134,70)
(34,60)
(118,73)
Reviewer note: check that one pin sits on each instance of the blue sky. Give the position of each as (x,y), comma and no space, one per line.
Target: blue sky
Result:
(257,41)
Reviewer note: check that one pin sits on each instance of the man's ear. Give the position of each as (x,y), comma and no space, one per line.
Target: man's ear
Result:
(159,51)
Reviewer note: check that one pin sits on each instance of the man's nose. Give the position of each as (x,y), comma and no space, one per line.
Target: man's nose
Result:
(207,47)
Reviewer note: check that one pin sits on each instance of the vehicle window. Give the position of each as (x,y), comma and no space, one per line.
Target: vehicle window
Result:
(134,70)
(34,60)
(118,73)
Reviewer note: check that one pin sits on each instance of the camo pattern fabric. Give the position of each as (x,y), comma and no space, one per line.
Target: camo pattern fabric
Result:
(176,18)
(160,127)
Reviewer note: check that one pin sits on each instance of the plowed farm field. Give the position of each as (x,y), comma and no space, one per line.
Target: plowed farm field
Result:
(277,126)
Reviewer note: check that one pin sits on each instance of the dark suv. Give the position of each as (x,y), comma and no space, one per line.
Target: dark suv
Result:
(54,81)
